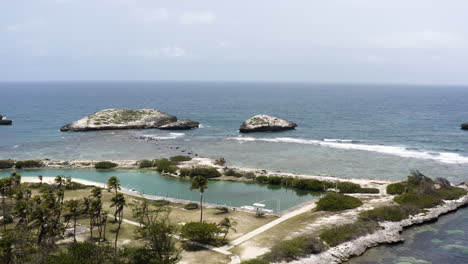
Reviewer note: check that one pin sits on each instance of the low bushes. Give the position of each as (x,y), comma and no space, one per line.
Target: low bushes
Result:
(339,234)
(233,173)
(200,232)
(451,193)
(207,172)
(388,213)
(349,187)
(302,184)
(145,164)
(293,249)
(418,200)
(396,188)
(6,164)
(105,165)
(28,164)
(180,158)
(191,206)
(165,165)
(337,202)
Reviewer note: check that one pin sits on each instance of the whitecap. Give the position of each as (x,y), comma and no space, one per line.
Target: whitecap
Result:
(445,157)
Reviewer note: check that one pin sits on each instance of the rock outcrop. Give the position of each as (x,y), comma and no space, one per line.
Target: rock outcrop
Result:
(5,121)
(464,126)
(262,123)
(121,119)
(180,125)
(390,233)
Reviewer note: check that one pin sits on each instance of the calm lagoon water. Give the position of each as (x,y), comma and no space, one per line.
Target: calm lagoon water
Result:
(218,192)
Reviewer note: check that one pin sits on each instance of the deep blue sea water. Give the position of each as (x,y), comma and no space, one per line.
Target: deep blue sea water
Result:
(358,131)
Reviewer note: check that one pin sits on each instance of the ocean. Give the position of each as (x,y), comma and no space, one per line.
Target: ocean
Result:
(346,130)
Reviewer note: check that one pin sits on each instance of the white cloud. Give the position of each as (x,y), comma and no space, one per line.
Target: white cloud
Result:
(149,16)
(420,39)
(192,18)
(170,51)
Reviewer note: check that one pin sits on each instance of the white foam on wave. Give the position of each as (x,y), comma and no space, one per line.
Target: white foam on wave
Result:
(15,146)
(162,137)
(338,140)
(445,157)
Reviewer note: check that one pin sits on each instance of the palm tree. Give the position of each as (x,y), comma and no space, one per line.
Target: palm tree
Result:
(199,183)
(73,211)
(119,203)
(227,224)
(113,184)
(60,181)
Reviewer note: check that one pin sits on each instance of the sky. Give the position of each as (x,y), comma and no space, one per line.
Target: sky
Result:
(358,41)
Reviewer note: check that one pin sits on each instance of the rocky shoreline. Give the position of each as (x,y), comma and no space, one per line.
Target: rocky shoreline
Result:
(391,233)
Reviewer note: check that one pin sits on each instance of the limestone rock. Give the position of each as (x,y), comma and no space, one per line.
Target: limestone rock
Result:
(121,119)
(262,123)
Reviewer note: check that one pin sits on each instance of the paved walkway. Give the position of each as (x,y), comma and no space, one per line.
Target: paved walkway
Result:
(262,229)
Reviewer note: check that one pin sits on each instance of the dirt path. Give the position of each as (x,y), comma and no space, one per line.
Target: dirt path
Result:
(273,223)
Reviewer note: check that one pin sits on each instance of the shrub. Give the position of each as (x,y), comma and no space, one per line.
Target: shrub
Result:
(250,175)
(165,165)
(28,164)
(369,190)
(222,210)
(160,202)
(396,188)
(105,165)
(200,232)
(308,185)
(348,187)
(145,164)
(293,249)
(191,206)
(74,186)
(337,202)
(7,219)
(6,164)
(262,179)
(180,158)
(207,172)
(339,234)
(418,200)
(451,193)
(388,213)
(233,173)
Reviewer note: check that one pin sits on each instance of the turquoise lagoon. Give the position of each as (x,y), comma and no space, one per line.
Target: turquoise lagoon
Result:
(219,192)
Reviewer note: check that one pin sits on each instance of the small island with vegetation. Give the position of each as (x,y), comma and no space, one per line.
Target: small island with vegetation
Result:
(110,119)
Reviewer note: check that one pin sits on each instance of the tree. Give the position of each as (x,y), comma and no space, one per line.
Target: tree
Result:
(5,189)
(157,231)
(199,183)
(59,180)
(113,183)
(119,203)
(200,231)
(73,211)
(227,224)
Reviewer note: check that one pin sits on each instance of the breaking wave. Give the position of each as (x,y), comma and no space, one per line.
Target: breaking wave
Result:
(162,137)
(445,157)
